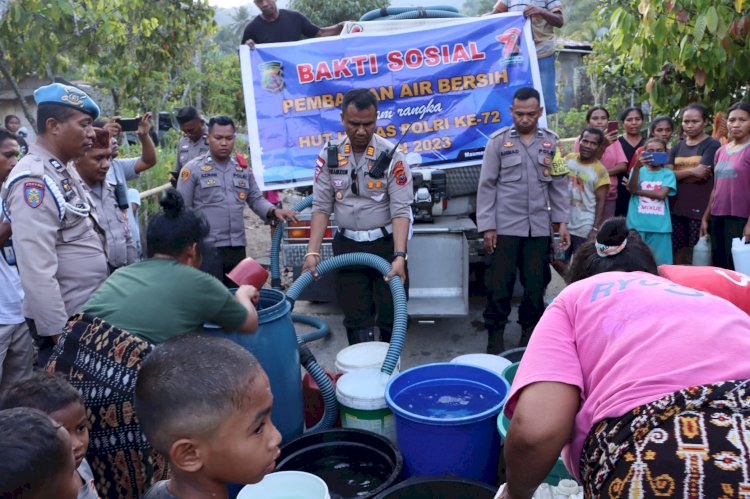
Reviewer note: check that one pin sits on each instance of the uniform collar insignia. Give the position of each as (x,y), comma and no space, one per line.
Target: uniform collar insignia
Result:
(58,166)
(370,152)
(508,144)
(347,150)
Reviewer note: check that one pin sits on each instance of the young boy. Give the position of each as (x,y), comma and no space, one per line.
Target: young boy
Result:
(52,394)
(205,403)
(589,183)
(648,211)
(37,460)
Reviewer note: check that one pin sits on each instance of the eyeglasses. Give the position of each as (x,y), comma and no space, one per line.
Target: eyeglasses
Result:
(355,187)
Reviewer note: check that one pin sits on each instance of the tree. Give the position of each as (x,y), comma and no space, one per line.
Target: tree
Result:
(475,8)
(327,13)
(134,48)
(240,17)
(678,51)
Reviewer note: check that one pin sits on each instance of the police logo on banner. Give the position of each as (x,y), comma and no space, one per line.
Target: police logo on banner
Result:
(272,76)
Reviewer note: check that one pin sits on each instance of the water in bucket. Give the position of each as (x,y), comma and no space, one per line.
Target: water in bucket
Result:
(448,401)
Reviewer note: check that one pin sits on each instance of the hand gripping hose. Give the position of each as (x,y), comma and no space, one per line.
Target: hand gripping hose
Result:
(400,316)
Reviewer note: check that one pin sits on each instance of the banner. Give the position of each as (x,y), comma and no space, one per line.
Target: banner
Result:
(452,83)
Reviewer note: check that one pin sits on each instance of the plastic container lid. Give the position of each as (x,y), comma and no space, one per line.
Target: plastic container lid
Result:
(286,484)
(363,389)
(494,363)
(366,355)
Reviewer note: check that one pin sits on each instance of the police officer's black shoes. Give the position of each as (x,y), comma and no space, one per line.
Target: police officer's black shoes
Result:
(360,335)
(495,343)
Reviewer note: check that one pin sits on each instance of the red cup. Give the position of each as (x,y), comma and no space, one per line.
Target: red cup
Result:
(248,271)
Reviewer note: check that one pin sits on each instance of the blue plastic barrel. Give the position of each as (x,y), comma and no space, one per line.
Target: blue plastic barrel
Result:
(274,344)
(445,420)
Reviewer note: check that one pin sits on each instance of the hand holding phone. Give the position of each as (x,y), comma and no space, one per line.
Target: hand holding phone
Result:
(611,127)
(659,158)
(129,124)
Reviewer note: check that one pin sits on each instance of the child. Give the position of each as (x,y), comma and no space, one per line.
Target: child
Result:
(648,211)
(205,403)
(52,394)
(37,459)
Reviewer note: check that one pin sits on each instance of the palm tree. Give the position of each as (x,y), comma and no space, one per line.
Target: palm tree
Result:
(240,17)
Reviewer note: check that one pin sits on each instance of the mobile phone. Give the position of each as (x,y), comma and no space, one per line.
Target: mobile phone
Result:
(659,158)
(611,126)
(129,124)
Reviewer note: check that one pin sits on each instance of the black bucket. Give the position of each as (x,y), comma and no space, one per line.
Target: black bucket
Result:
(514,354)
(354,463)
(443,488)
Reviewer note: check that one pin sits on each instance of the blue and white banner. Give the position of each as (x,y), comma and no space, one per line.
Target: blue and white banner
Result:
(452,82)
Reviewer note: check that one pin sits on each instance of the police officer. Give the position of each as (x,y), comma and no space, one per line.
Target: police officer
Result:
(193,142)
(59,251)
(217,185)
(372,214)
(93,167)
(518,200)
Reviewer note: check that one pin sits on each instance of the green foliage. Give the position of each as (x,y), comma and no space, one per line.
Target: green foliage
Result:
(678,51)
(477,7)
(329,12)
(133,48)
(580,24)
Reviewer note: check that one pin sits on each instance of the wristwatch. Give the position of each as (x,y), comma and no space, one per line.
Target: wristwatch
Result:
(397,254)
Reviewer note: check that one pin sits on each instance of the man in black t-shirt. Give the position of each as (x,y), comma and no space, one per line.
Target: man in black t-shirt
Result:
(280,25)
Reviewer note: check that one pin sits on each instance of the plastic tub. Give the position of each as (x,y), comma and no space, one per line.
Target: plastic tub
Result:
(442,488)
(445,420)
(558,472)
(361,395)
(367,355)
(353,463)
(287,485)
(514,354)
(509,373)
(494,363)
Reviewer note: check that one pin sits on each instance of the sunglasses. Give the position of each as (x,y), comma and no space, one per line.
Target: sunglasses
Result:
(355,187)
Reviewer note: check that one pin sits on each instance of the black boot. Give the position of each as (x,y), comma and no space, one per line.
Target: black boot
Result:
(495,343)
(525,336)
(360,335)
(385,334)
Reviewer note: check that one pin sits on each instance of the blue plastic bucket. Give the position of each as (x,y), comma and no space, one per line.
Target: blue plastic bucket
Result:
(445,420)
(274,344)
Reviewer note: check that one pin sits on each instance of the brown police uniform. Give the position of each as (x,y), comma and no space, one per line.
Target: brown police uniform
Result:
(520,199)
(364,208)
(60,253)
(221,191)
(121,248)
(187,150)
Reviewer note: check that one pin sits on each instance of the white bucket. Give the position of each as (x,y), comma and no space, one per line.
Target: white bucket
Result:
(287,485)
(494,363)
(741,255)
(361,395)
(366,355)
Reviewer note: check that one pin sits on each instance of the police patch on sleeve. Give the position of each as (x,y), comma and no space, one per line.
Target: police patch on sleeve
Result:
(185,174)
(316,173)
(400,173)
(33,193)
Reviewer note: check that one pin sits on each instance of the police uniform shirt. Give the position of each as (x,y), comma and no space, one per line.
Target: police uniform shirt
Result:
(187,150)
(221,191)
(121,248)
(377,201)
(518,195)
(61,261)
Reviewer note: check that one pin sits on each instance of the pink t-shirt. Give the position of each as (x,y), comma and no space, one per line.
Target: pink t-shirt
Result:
(612,156)
(732,178)
(628,338)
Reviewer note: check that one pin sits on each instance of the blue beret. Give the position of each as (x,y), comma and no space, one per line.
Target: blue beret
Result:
(66,95)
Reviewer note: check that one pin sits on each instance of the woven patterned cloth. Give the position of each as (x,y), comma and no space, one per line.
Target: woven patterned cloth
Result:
(102,362)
